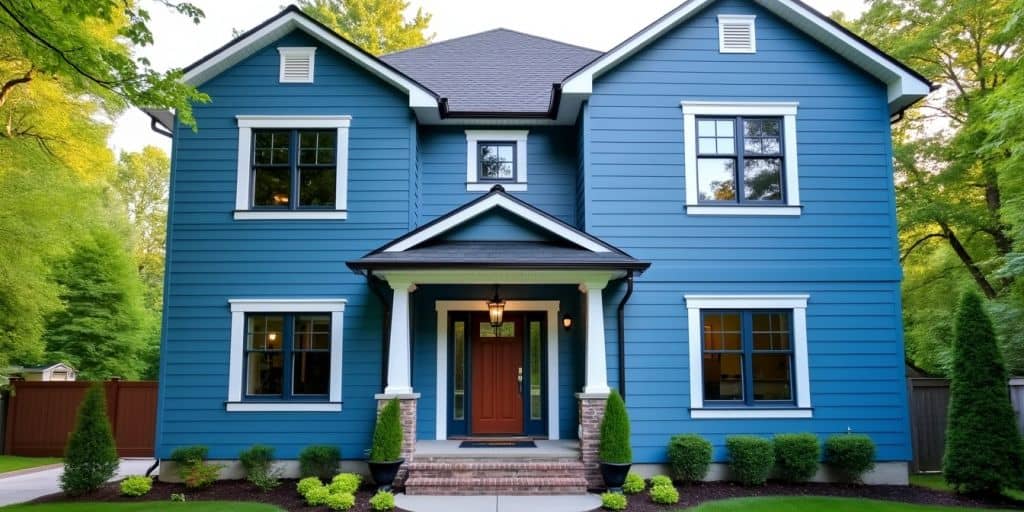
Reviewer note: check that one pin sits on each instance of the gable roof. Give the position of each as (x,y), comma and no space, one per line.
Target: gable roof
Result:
(465,71)
(905,86)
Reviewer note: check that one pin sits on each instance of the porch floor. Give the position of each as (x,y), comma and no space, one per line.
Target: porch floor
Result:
(546,449)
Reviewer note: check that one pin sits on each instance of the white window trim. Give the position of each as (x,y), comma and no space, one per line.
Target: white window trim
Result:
(786,110)
(443,307)
(299,51)
(736,19)
(801,371)
(239,307)
(246,124)
(473,137)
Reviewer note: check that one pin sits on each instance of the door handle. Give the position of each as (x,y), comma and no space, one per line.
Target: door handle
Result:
(519,379)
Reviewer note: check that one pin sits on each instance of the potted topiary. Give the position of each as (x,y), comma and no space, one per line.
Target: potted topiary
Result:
(615,453)
(386,450)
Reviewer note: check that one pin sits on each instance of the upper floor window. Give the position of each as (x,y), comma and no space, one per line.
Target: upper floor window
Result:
(292,167)
(740,158)
(496,156)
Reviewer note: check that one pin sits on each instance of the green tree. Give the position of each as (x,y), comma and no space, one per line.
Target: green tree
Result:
(141,184)
(377,26)
(90,457)
(983,447)
(98,330)
(615,445)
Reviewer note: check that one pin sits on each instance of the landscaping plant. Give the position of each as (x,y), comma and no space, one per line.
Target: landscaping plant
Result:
(383,500)
(665,494)
(136,485)
(347,483)
(634,484)
(388,436)
(657,480)
(689,457)
(752,458)
(307,484)
(320,461)
(340,501)
(257,462)
(613,501)
(178,497)
(983,447)
(192,467)
(796,456)
(317,496)
(90,457)
(615,447)
(851,455)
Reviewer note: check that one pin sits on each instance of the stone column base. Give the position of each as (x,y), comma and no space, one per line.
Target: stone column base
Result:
(407,405)
(591,413)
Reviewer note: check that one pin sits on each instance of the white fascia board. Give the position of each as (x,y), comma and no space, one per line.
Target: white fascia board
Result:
(418,96)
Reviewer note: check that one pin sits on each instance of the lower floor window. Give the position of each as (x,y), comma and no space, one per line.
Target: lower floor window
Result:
(747,356)
(287,354)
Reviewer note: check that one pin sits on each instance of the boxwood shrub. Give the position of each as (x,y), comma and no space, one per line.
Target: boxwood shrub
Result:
(136,485)
(340,501)
(752,458)
(320,461)
(657,480)
(796,456)
(664,494)
(634,484)
(689,457)
(850,455)
(347,483)
(383,500)
(613,501)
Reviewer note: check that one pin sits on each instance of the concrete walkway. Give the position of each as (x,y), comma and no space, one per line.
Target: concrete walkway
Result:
(578,503)
(26,486)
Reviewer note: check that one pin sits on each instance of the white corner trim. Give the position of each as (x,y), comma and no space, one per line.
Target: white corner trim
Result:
(787,110)
(239,307)
(305,52)
(473,137)
(443,307)
(243,179)
(496,201)
(796,302)
(748,20)
(726,414)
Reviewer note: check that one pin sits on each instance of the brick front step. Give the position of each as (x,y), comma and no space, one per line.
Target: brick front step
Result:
(479,485)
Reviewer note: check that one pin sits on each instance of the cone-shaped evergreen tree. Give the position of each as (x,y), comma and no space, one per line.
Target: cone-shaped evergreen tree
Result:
(90,458)
(615,447)
(388,436)
(983,447)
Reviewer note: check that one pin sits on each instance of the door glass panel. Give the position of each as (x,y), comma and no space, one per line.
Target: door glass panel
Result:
(507,330)
(535,368)
(459,398)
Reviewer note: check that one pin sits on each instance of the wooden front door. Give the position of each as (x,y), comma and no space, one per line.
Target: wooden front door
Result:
(497,370)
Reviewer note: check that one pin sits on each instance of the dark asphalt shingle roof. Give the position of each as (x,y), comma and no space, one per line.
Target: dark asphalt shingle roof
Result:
(498,254)
(500,70)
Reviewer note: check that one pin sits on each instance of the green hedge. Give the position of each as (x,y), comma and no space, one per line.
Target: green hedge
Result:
(689,457)
(320,461)
(752,458)
(796,456)
(851,455)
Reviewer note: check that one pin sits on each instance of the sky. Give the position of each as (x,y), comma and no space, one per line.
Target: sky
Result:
(597,24)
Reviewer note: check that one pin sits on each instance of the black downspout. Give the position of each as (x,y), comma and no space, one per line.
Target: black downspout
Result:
(385,327)
(622,334)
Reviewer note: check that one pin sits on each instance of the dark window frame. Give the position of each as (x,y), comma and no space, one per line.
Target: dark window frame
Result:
(287,351)
(295,170)
(739,156)
(480,164)
(746,353)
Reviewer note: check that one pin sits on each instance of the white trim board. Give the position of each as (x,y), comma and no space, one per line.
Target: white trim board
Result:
(239,307)
(474,137)
(443,307)
(801,371)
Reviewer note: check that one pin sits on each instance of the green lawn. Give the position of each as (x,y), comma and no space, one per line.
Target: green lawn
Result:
(814,504)
(14,463)
(935,481)
(144,506)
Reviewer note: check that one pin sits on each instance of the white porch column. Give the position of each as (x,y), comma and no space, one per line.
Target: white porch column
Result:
(399,356)
(597,364)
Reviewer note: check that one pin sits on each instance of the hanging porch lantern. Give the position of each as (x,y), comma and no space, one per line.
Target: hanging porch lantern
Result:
(496,309)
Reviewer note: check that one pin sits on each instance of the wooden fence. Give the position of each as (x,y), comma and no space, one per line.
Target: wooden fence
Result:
(41,415)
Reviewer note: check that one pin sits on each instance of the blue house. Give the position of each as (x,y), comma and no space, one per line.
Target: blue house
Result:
(499,229)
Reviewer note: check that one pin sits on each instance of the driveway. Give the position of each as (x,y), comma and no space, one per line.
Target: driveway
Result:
(29,486)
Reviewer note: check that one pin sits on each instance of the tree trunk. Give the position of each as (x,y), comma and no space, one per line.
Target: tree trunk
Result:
(968,261)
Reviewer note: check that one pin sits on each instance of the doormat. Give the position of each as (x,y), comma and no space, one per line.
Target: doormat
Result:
(497,444)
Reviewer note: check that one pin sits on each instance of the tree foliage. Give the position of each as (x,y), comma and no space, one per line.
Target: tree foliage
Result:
(377,26)
(90,458)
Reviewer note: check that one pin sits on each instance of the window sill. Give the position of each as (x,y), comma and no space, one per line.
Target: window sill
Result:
(486,187)
(786,211)
(714,413)
(282,406)
(290,214)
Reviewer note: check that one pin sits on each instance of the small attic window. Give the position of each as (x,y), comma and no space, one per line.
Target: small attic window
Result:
(297,64)
(736,33)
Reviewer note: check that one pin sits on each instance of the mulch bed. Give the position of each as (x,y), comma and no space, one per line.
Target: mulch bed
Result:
(691,495)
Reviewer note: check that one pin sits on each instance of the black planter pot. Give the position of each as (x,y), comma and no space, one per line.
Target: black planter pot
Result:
(384,473)
(614,475)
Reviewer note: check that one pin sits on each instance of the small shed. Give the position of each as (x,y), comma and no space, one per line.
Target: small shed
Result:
(58,372)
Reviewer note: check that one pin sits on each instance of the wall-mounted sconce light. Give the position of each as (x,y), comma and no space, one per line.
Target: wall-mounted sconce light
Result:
(566,321)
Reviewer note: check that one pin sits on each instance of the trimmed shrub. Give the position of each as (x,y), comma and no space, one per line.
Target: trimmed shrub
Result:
(983,447)
(346,483)
(192,467)
(317,496)
(851,455)
(320,461)
(752,458)
(664,494)
(340,501)
(177,497)
(613,501)
(307,484)
(388,436)
(383,500)
(657,480)
(634,484)
(90,457)
(796,456)
(615,447)
(258,464)
(689,457)
(136,485)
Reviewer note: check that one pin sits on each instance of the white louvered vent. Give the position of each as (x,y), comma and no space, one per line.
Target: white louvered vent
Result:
(297,65)
(736,34)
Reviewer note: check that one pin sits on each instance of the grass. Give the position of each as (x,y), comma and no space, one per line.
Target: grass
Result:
(144,506)
(936,482)
(815,504)
(14,463)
